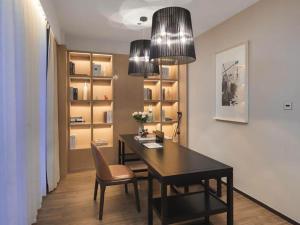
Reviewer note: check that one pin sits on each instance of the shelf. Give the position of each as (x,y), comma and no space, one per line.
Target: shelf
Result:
(169,101)
(79,125)
(102,57)
(81,148)
(151,101)
(80,56)
(80,102)
(188,207)
(99,125)
(102,101)
(169,122)
(151,81)
(79,76)
(102,78)
(169,80)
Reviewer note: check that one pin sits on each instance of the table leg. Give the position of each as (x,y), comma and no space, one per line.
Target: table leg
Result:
(119,151)
(150,196)
(163,191)
(122,153)
(230,199)
(206,190)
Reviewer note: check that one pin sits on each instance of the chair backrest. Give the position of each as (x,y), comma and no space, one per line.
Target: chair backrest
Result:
(102,168)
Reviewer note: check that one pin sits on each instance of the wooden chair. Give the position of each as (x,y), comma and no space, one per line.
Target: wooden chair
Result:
(108,175)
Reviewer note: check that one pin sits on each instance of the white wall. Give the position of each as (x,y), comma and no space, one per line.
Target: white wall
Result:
(97,45)
(265,153)
(53,20)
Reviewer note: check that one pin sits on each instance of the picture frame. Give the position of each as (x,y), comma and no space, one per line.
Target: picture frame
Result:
(232,100)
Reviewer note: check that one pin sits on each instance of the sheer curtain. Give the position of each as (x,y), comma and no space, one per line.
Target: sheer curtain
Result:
(52,116)
(22,111)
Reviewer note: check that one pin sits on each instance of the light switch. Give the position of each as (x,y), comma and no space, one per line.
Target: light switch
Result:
(288,106)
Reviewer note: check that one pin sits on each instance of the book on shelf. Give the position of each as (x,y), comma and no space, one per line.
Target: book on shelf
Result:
(72,68)
(147,94)
(165,72)
(72,141)
(73,93)
(108,117)
(77,119)
(97,70)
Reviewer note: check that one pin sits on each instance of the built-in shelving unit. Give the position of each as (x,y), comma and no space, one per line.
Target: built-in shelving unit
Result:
(161,95)
(90,84)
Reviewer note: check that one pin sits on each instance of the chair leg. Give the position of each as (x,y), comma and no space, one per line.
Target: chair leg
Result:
(102,188)
(126,188)
(137,199)
(96,189)
(219,187)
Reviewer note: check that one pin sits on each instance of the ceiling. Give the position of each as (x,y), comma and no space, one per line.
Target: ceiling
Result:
(117,19)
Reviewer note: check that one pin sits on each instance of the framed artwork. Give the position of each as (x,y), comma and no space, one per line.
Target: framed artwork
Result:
(232,84)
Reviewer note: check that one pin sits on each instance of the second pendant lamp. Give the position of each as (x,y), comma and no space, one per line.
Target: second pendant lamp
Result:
(139,63)
(172,37)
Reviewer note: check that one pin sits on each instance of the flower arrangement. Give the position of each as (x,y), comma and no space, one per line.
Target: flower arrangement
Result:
(140,117)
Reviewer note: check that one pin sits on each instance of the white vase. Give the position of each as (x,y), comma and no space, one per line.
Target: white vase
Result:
(85,92)
(141,128)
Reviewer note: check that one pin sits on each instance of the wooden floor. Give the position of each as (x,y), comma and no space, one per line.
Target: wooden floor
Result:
(72,204)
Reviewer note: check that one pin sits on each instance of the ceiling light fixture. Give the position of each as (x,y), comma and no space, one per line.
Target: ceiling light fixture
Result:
(139,57)
(139,63)
(172,39)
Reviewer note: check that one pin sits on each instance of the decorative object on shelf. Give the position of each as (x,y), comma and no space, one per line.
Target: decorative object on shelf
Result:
(232,84)
(108,117)
(139,64)
(141,118)
(105,97)
(72,141)
(176,132)
(96,70)
(73,93)
(85,91)
(150,114)
(172,39)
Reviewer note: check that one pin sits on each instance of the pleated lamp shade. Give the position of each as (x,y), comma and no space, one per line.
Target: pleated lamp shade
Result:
(172,39)
(139,64)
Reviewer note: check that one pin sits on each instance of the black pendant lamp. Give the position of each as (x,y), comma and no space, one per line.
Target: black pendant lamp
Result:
(139,59)
(172,39)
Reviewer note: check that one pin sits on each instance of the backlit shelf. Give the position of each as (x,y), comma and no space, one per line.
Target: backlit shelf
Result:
(80,101)
(80,125)
(100,124)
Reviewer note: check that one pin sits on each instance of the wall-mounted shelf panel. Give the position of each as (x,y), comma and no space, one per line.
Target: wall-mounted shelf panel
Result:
(161,97)
(91,101)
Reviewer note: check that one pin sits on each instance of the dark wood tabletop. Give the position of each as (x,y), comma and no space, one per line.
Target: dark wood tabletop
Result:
(175,160)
